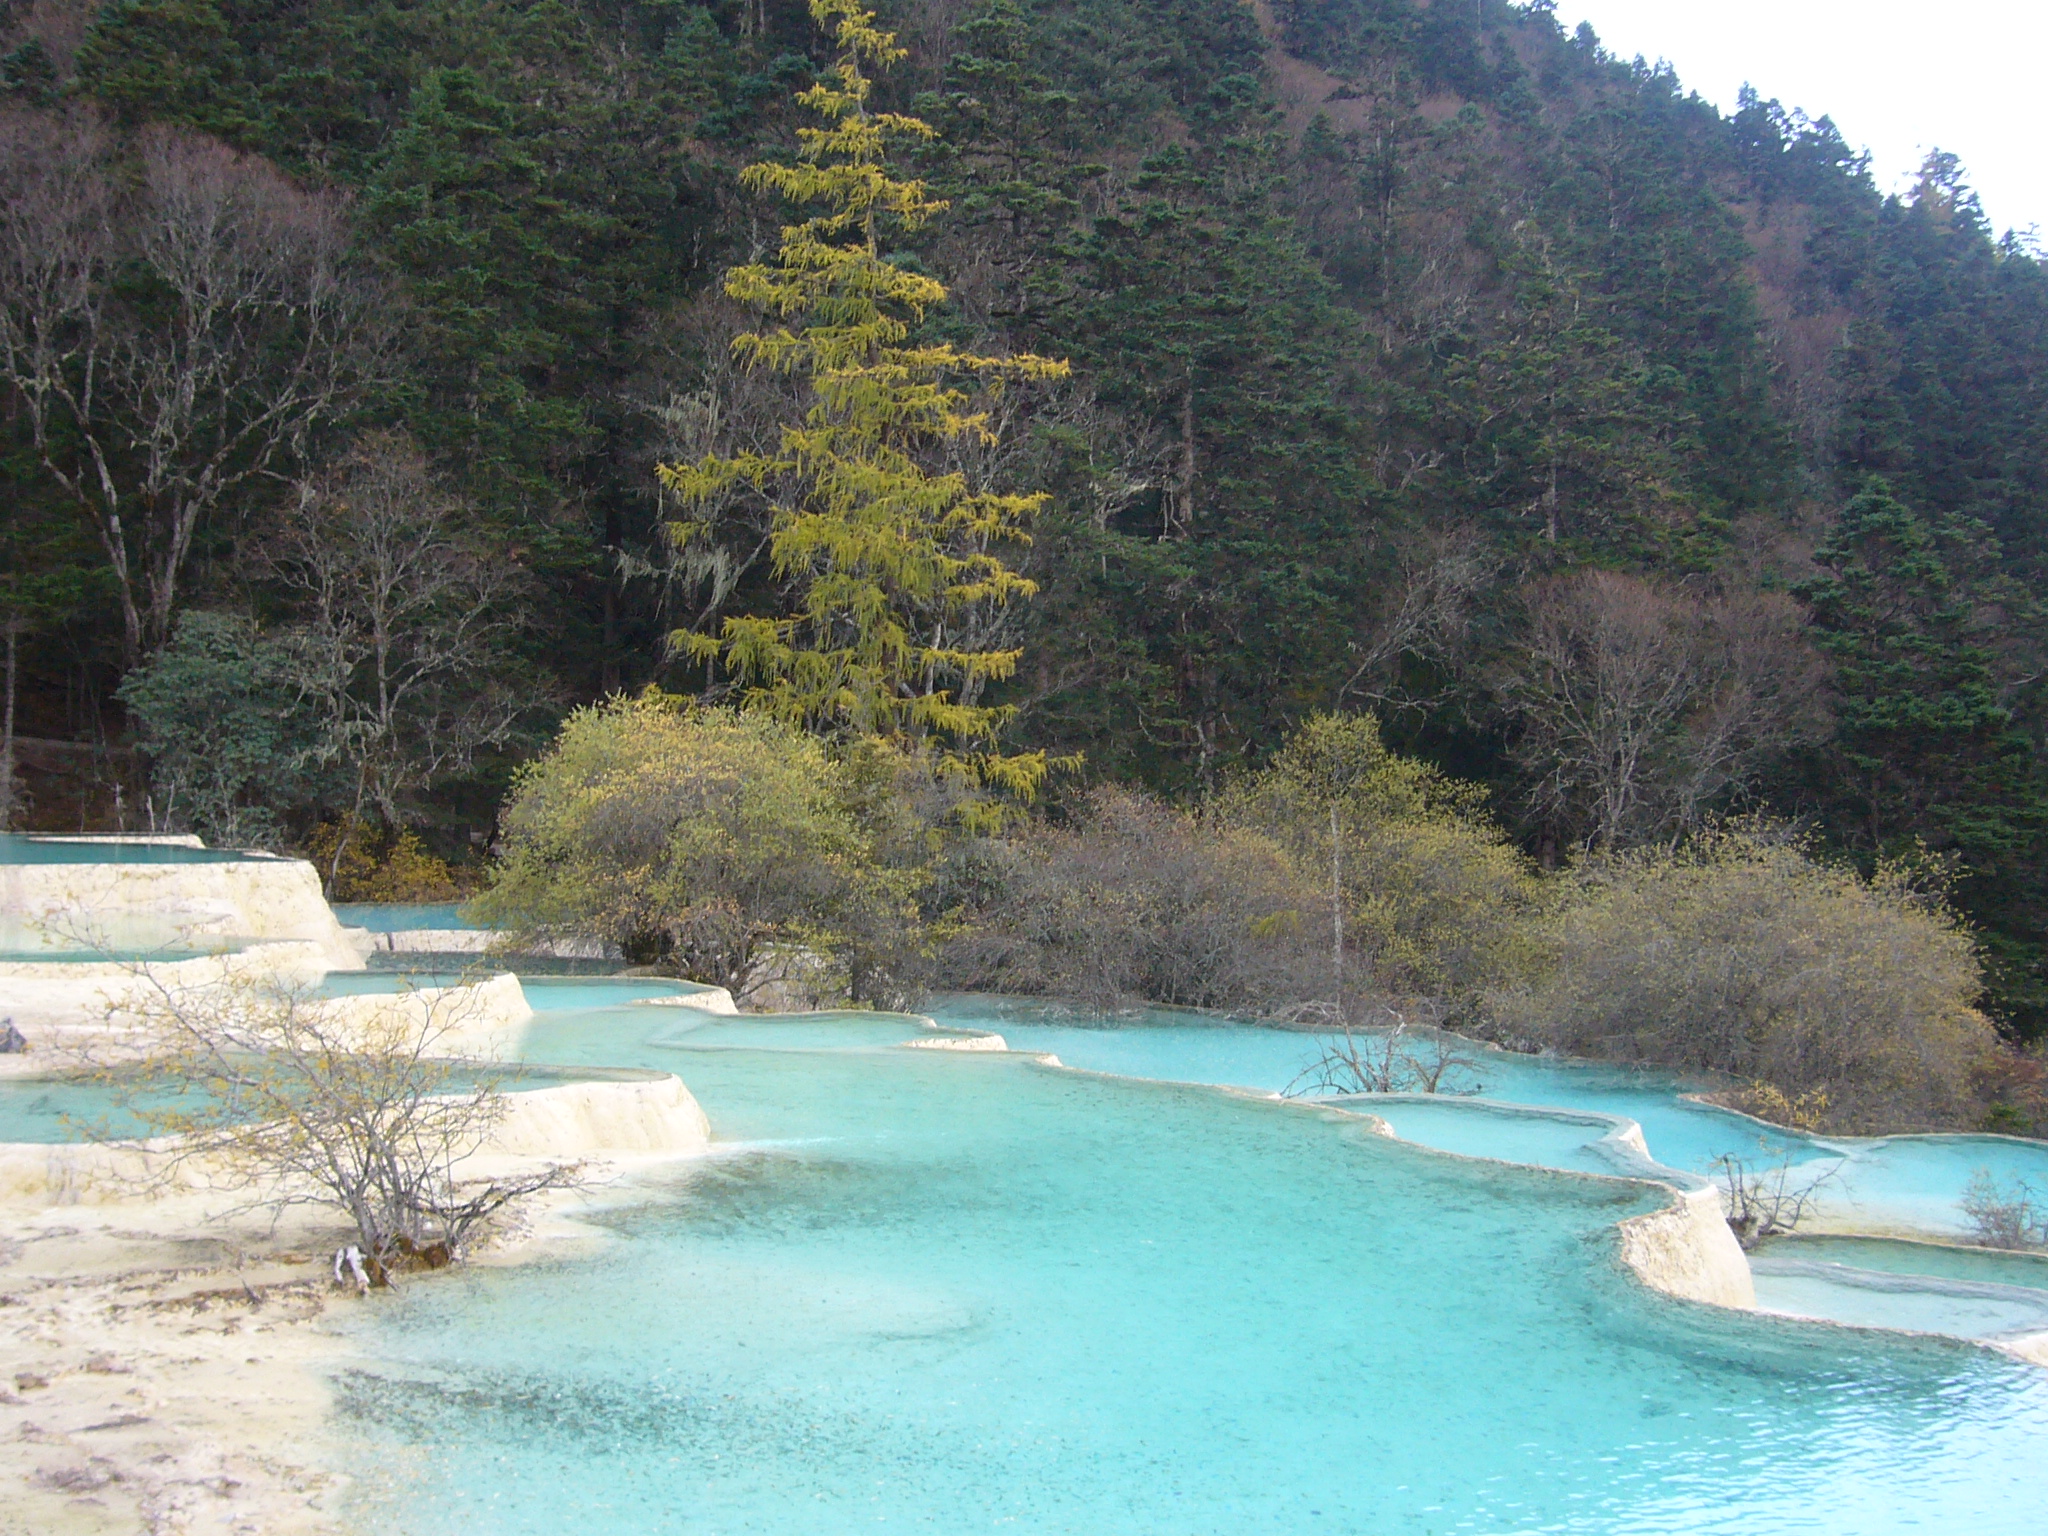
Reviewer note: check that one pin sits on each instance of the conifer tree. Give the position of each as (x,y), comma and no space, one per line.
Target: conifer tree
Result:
(888,560)
(1925,743)
(1930,746)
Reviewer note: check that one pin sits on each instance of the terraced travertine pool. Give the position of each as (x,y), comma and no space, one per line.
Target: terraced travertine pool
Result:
(959,1292)
(400,917)
(1881,1184)
(20,848)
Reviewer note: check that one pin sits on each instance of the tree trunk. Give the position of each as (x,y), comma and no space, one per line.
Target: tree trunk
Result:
(1337,910)
(7,735)
(1180,501)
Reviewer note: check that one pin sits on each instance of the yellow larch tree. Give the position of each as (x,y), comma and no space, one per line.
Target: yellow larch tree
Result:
(885,557)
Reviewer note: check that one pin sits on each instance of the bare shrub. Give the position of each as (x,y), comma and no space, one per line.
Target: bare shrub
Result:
(1135,902)
(264,1089)
(1389,1060)
(2005,1213)
(1766,1202)
(1740,953)
(1341,879)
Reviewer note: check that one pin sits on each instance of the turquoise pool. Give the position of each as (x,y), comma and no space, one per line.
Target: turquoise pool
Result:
(1985,1266)
(167,955)
(1895,1184)
(18,849)
(46,1111)
(959,1292)
(400,917)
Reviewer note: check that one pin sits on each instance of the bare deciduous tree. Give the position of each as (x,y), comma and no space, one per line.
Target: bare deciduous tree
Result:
(402,647)
(259,1087)
(170,334)
(1425,616)
(1642,704)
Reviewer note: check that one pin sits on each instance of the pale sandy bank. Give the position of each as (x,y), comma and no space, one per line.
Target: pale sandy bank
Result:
(154,1385)
(163,1370)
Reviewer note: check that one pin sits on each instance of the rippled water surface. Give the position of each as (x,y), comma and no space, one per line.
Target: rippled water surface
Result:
(959,1292)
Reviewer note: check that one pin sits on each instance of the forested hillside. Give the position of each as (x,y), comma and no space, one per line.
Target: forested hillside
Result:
(1643,464)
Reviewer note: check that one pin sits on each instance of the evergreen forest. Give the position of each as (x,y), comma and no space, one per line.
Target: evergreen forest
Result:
(1649,467)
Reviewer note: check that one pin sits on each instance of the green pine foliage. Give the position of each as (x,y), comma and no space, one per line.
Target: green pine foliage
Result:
(1932,747)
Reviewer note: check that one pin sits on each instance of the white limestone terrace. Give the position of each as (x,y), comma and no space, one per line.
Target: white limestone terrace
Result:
(131,906)
(122,901)
(616,1118)
(263,918)
(266,918)
(1688,1250)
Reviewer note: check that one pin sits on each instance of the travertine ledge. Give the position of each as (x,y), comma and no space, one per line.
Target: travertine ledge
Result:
(130,907)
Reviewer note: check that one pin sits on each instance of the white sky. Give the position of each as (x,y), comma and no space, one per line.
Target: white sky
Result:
(1897,77)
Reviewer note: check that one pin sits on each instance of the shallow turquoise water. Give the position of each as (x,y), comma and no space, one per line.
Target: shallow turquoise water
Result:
(400,917)
(51,1110)
(1191,1049)
(691,1029)
(17,849)
(1899,1183)
(571,993)
(47,1110)
(544,993)
(1981,1265)
(960,1292)
(1474,1128)
(166,955)
(1865,1299)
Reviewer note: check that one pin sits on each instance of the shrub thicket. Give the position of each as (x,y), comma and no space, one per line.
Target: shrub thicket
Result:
(1341,884)
(700,838)
(1741,953)
(1434,896)
(1341,874)
(1133,902)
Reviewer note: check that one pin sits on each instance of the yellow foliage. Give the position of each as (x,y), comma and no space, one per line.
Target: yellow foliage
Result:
(1806,1112)
(708,838)
(1434,895)
(887,555)
(375,866)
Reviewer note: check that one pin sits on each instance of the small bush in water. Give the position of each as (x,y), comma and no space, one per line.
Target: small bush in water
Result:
(2005,1214)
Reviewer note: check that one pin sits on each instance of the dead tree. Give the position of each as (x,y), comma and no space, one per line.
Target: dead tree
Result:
(1389,1060)
(1767,1202)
